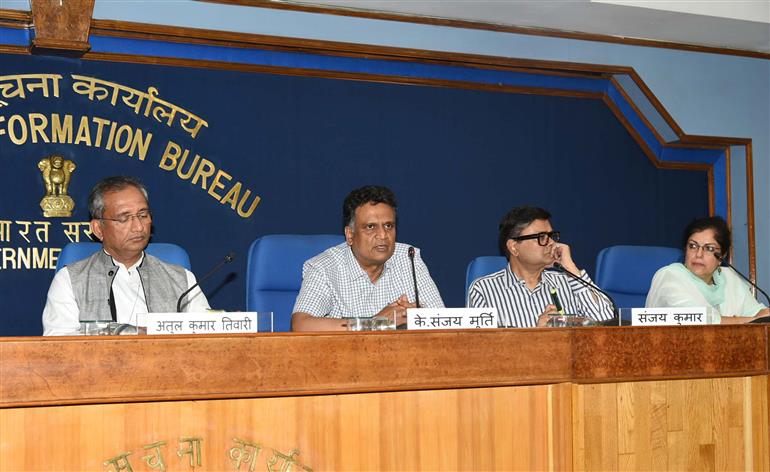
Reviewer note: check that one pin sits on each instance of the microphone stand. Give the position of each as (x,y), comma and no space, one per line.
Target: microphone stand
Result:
(410,251)
(615,309)
(414,277)
(724,260)
(228,258)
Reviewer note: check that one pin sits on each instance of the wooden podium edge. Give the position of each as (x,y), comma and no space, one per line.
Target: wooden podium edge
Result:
(87,370)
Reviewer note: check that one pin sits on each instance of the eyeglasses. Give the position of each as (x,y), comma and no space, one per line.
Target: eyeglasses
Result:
(143,217)
(695,247)
(542,238)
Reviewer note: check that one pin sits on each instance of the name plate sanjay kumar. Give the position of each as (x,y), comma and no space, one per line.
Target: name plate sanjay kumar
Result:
(451,318)
(669,316)
(202,323)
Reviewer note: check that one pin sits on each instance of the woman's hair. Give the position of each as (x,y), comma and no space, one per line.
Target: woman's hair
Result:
(715,223)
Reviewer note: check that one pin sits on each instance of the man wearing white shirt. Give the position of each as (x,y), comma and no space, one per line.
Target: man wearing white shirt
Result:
(369,275)
(119,283)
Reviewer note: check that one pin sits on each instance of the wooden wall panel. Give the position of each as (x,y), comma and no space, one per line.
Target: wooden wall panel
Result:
(503,428)
(700,424)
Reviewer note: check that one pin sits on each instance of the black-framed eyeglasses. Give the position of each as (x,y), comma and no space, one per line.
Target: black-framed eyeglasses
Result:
(542,237)
(143,216)
(695,247)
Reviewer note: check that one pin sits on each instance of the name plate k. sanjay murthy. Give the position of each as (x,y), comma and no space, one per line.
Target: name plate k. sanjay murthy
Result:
(451,318)
(202,323)
(669,316)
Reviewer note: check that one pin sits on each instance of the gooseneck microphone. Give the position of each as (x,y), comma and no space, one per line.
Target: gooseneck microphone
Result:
(227,259)
(615,309)
(414,277)
(724,260)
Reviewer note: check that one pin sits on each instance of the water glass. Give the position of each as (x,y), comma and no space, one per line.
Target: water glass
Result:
(568,321)
(95,327)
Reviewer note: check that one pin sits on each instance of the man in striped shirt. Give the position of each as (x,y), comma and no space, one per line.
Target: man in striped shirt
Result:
(522,291)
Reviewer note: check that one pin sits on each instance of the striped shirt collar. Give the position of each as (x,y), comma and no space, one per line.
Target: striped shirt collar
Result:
(513,280)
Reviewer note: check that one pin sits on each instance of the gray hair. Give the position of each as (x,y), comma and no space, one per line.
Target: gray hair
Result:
(111,184)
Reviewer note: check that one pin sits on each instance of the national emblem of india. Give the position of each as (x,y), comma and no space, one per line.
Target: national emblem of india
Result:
(57,172)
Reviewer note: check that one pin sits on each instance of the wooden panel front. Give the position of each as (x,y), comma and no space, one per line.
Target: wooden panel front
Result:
(502,428)
(645,353)
(531,399)
(77,370)
(35,371)
(700,424)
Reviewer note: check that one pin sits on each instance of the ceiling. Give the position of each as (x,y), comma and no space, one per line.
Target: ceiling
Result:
(736,24)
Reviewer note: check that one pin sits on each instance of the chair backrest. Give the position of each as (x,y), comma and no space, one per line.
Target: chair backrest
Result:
(166,252)
(274,272)
(480,266)
(626,272)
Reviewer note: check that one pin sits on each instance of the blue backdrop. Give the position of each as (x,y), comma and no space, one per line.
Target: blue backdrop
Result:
(457,159)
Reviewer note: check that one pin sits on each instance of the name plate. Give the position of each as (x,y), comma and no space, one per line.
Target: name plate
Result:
(669,316)
(202,323)
(451,318)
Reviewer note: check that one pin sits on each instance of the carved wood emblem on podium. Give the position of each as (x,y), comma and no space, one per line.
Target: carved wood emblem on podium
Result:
(57,172)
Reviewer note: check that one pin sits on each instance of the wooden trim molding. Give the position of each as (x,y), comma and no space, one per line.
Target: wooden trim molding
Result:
(712,197)
(479,25)
(636,109)
(728,188)
(656,103)
(14,50)
(245,40)
(15,18)
(750,212)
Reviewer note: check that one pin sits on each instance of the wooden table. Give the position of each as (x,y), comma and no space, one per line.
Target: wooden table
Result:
(518,399)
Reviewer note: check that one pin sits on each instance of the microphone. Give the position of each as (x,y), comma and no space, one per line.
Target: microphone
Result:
(723,260)
(615,309)
(414,277)
(555,300)
(227,259)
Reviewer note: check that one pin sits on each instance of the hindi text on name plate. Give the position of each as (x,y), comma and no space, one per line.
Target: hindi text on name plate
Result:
(669,316)
(451,318)
(202,323)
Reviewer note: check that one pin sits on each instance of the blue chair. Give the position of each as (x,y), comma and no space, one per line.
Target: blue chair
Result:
(166,252)
(274,272)
(626,272)
(480,266)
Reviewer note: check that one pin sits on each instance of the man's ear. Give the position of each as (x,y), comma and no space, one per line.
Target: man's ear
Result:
(511,246)
(96,228)
(349,235)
